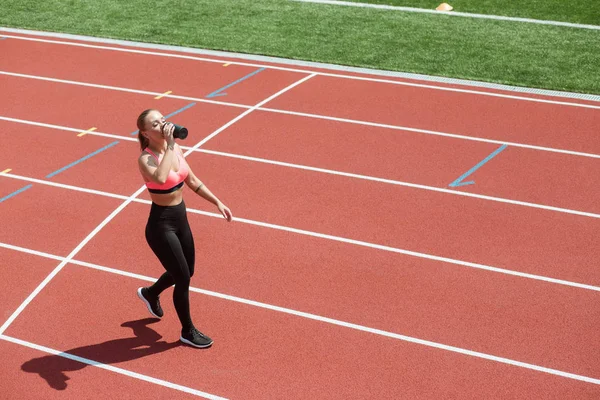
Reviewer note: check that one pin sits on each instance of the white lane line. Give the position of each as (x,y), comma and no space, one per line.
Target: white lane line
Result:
(65,186)
(34,252)
(452,13)
(334,75)
(336,119)
(66,128)
(351,241)
(430,132)
(111,368)
(121,89)
(405,184)
(408,252)
(349,325)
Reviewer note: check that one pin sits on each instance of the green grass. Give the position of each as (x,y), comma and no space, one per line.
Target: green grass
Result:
(576,11)
(495,51)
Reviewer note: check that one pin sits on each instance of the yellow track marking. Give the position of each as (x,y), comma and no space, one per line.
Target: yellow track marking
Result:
(164,94)
(86,132)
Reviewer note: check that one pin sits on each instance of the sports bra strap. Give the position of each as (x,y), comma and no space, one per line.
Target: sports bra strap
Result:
(151,152)
(155,156)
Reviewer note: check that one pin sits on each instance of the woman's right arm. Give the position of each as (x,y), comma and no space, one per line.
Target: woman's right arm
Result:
(159,173)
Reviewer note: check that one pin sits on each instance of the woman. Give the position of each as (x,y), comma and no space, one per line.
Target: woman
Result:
(165,170)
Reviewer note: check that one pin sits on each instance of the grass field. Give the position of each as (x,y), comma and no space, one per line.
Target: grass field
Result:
(512,53)
(576,11)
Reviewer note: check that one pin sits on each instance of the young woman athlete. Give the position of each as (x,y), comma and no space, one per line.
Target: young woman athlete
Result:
(165,170)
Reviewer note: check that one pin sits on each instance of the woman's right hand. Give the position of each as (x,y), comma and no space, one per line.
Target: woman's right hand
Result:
(167,131)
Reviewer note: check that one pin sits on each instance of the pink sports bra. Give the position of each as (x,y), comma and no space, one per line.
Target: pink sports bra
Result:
(174,179)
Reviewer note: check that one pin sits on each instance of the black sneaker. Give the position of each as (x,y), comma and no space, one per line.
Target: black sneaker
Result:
(196,338)
(153,303)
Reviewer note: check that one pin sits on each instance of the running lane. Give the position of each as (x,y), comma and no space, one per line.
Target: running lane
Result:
(541,124)
(521,319)
(109,111)
(252,353)
(160,72)
(26,272)
(89,161)
(502,235)
(515,173)
(48,218)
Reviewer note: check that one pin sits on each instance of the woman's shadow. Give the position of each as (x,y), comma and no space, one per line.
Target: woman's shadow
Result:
(145,342)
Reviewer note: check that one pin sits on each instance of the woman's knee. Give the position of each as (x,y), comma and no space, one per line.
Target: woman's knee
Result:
(183,280)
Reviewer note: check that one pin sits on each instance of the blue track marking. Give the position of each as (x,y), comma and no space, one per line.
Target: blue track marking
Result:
(16,192)
(170,115)
(81,159)
(217,92)
(459,181)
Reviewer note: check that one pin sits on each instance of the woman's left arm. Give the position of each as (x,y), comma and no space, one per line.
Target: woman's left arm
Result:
(200,188)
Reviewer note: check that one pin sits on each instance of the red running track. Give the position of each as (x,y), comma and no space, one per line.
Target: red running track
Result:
(261,353)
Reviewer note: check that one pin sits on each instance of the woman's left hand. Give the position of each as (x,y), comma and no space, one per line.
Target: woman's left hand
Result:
(226,212)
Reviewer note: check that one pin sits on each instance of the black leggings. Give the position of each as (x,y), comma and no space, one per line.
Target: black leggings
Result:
(170,238)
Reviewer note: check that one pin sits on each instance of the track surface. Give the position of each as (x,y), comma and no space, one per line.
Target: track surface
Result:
(361,262)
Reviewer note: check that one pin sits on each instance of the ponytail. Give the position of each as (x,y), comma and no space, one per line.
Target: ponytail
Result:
(141,120)
(143,141)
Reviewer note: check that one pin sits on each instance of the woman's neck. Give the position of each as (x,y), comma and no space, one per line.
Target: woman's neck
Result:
(158,147)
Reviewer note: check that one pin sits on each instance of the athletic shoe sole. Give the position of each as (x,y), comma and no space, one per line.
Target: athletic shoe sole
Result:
(200,346)
(139,292)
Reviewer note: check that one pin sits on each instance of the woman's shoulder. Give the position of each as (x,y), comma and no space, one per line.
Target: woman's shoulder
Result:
(145,158)
(143,155)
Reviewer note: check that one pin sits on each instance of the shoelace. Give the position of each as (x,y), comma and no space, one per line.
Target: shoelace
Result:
(196,332)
